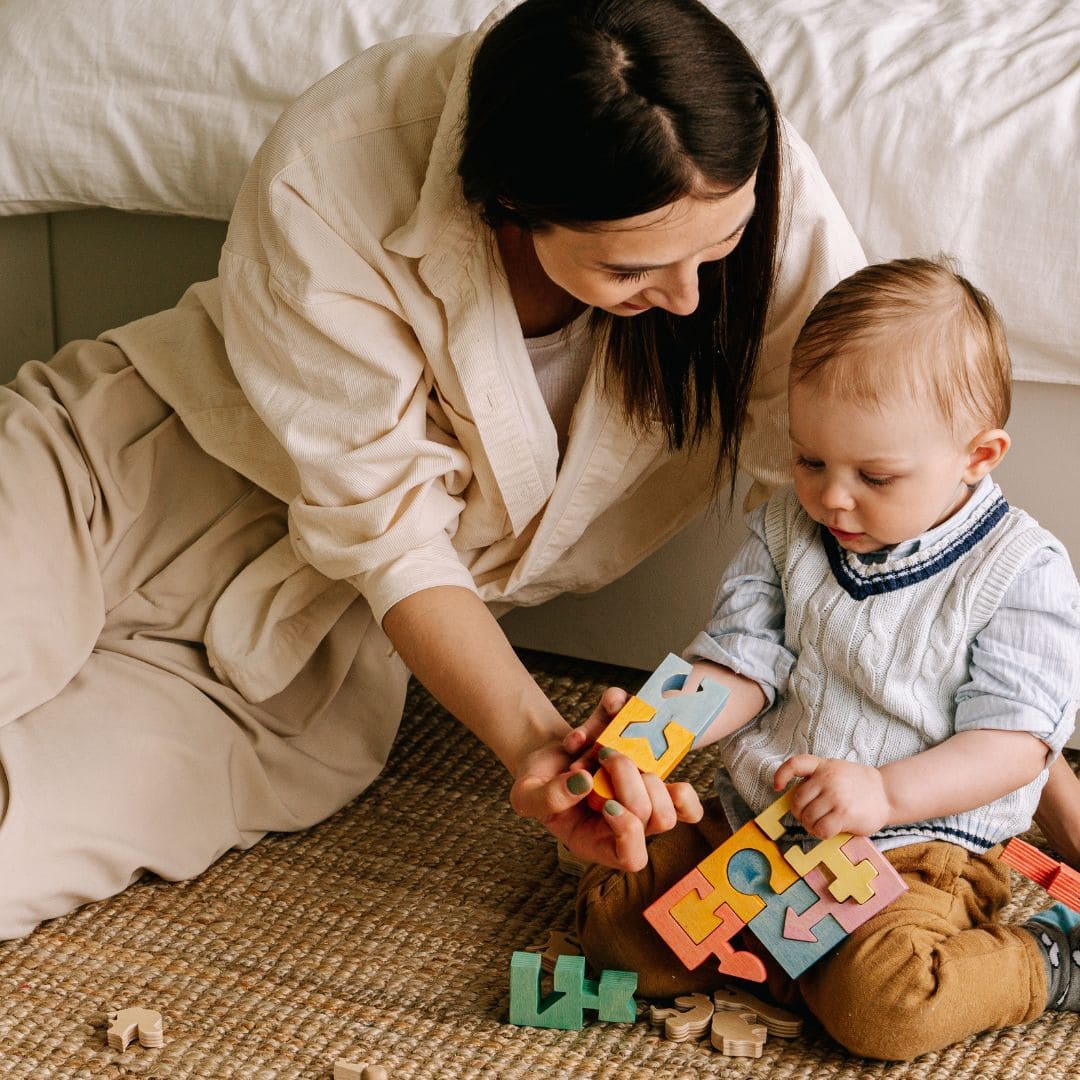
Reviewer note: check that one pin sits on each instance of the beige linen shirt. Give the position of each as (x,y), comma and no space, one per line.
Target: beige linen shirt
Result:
(360,357)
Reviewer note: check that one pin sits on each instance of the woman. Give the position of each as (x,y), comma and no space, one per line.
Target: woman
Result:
(255,514)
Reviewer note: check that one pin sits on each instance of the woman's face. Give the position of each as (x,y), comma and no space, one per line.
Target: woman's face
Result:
(651,260)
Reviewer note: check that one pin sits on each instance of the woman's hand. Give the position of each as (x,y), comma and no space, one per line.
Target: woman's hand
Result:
(554,781)
(835,796)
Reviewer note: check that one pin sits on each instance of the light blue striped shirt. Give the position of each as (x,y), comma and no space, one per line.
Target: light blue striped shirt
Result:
(1024,672)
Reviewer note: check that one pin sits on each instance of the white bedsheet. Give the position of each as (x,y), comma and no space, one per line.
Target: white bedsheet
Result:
(943,125)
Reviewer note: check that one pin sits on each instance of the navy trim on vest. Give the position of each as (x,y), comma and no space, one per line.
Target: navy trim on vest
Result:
(877,581)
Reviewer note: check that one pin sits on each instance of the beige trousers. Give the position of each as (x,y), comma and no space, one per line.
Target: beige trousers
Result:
(932,968)
(120,750)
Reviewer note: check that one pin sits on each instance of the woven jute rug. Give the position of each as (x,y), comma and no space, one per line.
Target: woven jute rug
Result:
(383,937)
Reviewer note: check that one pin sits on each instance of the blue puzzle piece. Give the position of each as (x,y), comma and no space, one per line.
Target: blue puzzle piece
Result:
(748,871)
(695,712)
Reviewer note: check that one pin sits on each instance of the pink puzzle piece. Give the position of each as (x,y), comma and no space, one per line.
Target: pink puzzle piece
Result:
(888,885)
(740,965)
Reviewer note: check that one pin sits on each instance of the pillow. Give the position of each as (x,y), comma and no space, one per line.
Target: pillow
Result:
(160,106)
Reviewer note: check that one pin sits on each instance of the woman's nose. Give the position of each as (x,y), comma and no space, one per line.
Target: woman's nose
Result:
(678,292)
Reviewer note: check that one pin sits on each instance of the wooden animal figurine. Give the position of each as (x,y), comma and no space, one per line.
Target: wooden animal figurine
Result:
(689,1018)
(657,726)
(559,943)
(777,1021)
(125,1024)
(798,904)
(737,1033)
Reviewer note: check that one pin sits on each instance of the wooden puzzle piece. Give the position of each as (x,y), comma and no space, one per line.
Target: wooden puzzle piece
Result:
(778,1021)
(678,743)
(713,929)
(688,1018)
(692,711)
(715,868)
(656,727)
(848,879)
(737,1033)
(612,997)
(559,943)
(124,1024)
(888,885)
(750,870)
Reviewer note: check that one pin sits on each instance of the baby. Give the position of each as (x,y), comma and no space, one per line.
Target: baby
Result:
(905,643)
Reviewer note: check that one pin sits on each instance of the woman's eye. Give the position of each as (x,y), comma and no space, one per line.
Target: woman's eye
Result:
(628,275)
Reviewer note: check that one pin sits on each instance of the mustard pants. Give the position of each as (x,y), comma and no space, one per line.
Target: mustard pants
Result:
(931,969)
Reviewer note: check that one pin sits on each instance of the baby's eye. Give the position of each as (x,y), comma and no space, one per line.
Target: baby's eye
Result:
(627,275)
(807,463)
(877,481)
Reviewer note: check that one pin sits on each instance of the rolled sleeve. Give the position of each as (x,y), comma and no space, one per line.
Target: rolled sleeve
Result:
(1025,664)
(343,385)
(746,631)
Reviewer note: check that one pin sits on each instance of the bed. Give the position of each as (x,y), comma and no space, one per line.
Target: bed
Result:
(944,125)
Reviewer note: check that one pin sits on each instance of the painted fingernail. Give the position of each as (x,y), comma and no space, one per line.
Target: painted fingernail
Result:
(612,807)
(579,783)
(605,752)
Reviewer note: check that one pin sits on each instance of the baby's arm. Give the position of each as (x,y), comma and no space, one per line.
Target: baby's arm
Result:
(1014,713)
(970,769)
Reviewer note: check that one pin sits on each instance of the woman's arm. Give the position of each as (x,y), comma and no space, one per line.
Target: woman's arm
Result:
(456,648)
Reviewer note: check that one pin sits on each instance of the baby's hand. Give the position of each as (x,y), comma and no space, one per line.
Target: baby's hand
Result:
(835,796)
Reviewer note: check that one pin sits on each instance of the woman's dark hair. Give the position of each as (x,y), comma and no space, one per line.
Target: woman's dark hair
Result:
(584,111)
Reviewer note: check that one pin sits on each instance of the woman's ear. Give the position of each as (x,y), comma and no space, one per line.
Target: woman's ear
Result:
(985,452)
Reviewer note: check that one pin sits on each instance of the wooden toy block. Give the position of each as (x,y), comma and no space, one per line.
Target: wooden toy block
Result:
(1061,881)
(347,1070)
(657,727)
(714,927)
(888,885)
(737,1033)
(1065,886)
(689,1018)
(1029,861)
(125,1024)
(848,879)
(559,943)
(612,997)
(777,1021)
(715,868)
(794,956)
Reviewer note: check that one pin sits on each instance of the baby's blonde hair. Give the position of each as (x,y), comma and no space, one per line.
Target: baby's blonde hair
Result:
(914,326)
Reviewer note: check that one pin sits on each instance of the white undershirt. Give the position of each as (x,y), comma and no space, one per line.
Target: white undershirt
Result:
(561,364)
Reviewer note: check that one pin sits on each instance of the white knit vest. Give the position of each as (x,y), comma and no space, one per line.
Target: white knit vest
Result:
(877,673)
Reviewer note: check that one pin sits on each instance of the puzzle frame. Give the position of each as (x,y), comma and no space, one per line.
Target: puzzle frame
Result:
(799,904)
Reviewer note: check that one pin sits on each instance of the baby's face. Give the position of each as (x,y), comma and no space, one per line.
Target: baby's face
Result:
(875,476)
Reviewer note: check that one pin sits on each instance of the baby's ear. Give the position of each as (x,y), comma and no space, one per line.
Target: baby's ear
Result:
(985,452)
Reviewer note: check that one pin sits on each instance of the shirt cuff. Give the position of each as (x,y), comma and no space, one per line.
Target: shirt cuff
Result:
(435,563)
(988,713)
(767,664)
